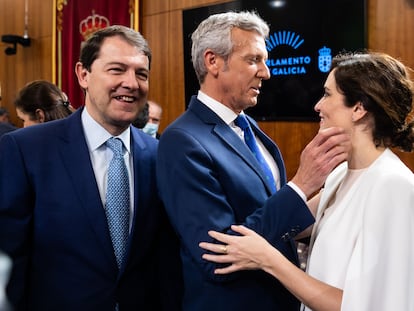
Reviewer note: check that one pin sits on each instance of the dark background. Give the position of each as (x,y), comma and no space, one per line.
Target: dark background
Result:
(340,25)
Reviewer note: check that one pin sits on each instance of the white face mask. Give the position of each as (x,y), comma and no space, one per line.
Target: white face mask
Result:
(150,129)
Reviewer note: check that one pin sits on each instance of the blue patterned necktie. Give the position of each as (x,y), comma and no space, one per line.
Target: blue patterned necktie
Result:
(117,199)
(250,141)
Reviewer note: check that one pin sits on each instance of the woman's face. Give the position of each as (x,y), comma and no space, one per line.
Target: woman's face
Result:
(26,118)
(331,107)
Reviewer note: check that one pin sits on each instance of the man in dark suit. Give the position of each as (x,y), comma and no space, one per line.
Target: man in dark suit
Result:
(209,179)
(53,187)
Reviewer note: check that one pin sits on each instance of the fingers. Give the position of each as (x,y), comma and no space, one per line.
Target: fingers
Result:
(222,237)
(241,229)
(215,248)
(217,258)
(327,150)
(229,252)
(325,134)
(222,259)
(226,270)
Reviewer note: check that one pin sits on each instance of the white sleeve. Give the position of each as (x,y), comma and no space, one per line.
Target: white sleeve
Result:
(381,271)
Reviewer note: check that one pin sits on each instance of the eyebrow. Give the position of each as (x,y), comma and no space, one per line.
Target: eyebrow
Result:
(125,65)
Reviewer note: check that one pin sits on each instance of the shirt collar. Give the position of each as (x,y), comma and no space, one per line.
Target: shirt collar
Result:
(96,135)
(225,113)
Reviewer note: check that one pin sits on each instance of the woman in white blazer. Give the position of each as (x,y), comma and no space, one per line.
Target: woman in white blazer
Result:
(361,250)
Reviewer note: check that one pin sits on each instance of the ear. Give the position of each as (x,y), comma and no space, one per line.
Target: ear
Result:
(212,62)
(82,74)
(40,115)
(358,112)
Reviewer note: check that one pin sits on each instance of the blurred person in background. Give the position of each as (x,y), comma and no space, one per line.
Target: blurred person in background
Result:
(41,101)
(154,119)
(5,125)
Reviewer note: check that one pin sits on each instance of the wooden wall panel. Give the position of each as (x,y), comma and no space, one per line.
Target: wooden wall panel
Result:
(165,6)
(187,4)
(291,138)
(391,30)
(154,7)
(167,72)
(29,63)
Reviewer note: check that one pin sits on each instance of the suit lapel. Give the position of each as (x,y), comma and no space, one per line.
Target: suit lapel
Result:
(76,160)
(229,137)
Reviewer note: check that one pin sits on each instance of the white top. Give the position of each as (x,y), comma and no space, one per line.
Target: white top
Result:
(365,244)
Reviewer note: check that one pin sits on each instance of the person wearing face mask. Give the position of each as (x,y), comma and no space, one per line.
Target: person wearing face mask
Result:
(154,119)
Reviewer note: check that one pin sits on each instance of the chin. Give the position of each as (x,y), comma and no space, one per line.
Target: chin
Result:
(253,103)
(322,125)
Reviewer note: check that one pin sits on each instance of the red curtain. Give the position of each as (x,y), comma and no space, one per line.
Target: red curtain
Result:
(75,20)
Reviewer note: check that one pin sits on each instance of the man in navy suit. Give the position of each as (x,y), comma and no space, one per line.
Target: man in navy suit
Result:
(53,221)
(209,179)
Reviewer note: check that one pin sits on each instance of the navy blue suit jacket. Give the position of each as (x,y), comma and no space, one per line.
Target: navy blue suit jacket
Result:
(53,224)
(209,179)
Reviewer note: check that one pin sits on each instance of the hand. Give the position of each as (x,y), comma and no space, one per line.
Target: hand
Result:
(327,150)
(245,252)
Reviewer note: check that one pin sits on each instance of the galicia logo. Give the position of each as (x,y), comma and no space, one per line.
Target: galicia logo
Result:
(284,37)
(324,59)
(292,64)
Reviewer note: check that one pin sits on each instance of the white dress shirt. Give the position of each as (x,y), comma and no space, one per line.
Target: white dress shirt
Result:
(100,155)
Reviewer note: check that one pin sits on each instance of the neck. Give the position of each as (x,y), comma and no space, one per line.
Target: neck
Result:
(363,151)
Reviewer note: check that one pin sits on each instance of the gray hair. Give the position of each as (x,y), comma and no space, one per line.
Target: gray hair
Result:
(215,33)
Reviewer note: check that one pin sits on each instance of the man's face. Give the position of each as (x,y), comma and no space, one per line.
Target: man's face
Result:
(154,114)
(242,74)
(117,84)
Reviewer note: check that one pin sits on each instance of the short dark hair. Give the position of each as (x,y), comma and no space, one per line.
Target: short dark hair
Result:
(91,48)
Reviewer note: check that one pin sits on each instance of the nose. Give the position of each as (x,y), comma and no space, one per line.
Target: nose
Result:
(264,71)
(130,80)
(317,107)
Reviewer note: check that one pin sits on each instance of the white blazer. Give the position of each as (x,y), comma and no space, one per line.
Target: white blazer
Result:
(366,246)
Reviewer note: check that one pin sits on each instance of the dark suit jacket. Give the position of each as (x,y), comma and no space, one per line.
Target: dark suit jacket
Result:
(6,127)
(209,179)
(53,224)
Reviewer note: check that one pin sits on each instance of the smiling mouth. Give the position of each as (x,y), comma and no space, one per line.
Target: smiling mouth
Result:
(124,98)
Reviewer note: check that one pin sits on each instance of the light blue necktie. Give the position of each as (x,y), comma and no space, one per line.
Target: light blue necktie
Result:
(117,199)
(250,140)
